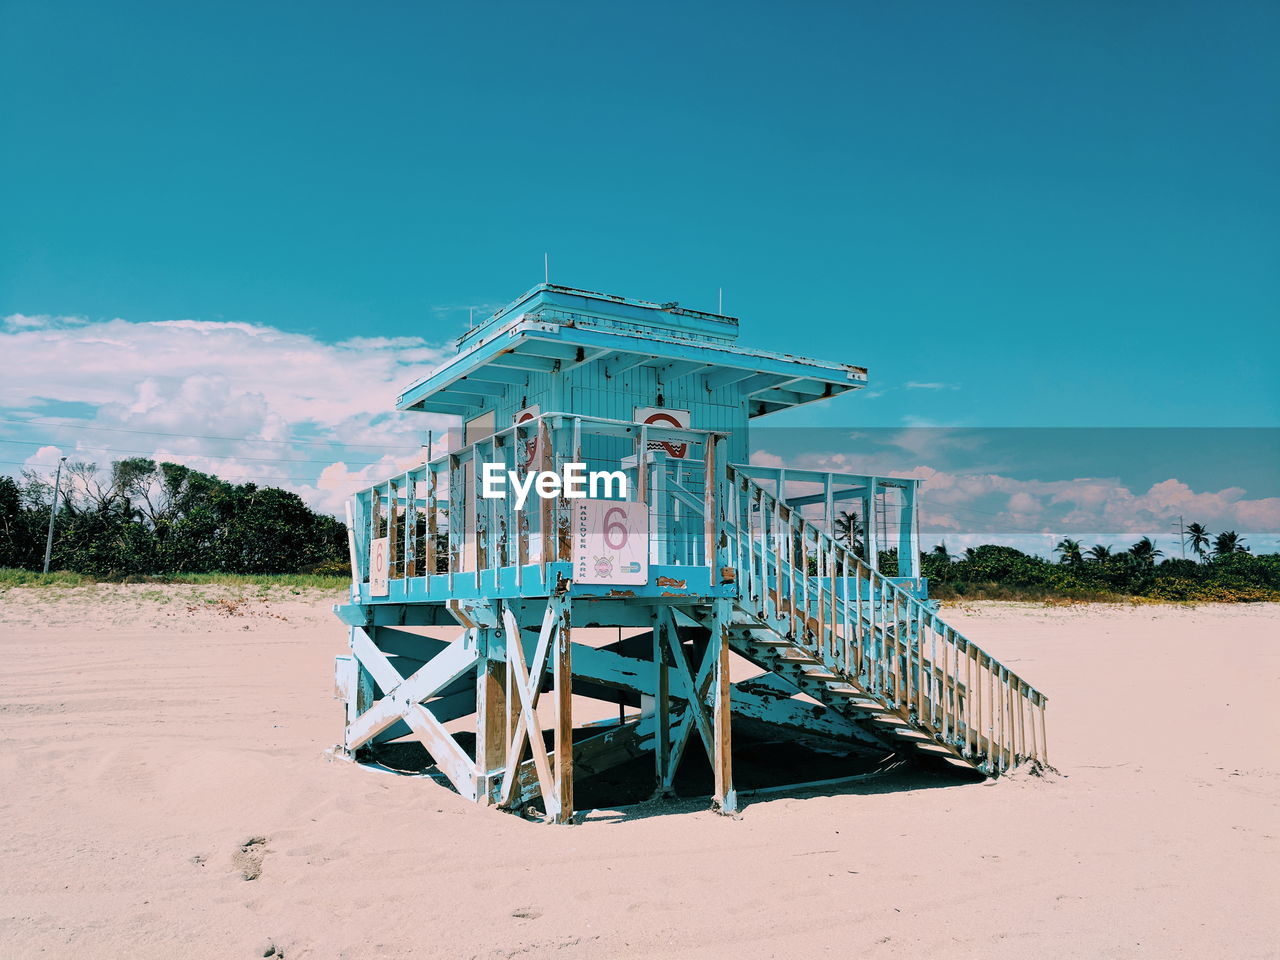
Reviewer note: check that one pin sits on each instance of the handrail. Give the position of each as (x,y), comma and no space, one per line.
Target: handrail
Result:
(436,523)
(866,628)
(528,429)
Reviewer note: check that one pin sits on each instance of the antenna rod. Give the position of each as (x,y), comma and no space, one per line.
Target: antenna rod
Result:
(546,268)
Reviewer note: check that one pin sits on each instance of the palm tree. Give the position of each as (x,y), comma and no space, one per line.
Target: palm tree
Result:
(1145,551)
(849,531)
(1198,538)
(941,551)
(1228,542)
(1069,551)
(1099,552)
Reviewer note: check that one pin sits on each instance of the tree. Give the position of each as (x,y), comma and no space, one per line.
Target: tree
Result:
(1145,551)
(1198,538)
(1227,543)
(1068,551)
(10,520)
(1098,552)
(144,518)
(848,530)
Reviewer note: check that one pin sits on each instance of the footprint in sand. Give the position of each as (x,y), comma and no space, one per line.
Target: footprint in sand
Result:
(248,859)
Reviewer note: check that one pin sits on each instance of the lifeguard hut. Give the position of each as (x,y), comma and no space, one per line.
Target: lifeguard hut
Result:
(704,561)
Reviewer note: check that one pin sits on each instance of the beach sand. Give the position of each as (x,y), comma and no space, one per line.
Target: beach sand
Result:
(165,793)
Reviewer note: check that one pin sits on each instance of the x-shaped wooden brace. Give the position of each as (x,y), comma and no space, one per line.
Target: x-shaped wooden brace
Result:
(695,713)
(402,700)
(526,683)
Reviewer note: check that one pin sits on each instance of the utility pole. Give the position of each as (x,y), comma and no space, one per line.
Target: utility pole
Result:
(1182,536)
(53,512)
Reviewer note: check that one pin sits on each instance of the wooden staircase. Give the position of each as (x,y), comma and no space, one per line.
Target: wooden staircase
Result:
(813,612)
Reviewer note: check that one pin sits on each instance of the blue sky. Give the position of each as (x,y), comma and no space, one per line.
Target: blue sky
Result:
(1014,215)
(1069,211)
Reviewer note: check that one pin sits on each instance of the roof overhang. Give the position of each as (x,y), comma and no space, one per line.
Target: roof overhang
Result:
(526,343)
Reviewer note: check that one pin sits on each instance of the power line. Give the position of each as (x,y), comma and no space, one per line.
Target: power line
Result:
(219,476)
(212,456)
(85,425)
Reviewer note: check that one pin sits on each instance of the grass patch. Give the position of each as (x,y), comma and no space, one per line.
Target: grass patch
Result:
(1028,594)
(10,577)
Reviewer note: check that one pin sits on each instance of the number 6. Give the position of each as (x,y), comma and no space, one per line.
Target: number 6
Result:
(611,525)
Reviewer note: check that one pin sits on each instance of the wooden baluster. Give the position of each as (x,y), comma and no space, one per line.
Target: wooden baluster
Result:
(991,711)
(760,522)
(820,569)
(410,528)
(951,688)
(709,505)
(430,545)
(953,694)
(938,673)
(895,661)
(393,540)
(794,599)
(1013,721)
(804,578)
(972,698)
(921,677)
(902,632)
(777,559)
(877,637)
(848,623)
(1010,727)
(859,628)
(1004,719)
(1022,720)
(546,520)
(1044,739)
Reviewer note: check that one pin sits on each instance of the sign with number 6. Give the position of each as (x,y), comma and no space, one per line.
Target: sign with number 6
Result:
(610,542)
(379,566)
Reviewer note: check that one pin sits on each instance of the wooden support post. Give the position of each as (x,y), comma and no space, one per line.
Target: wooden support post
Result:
(546,516)
(562,677)
(492,735)
(429,547)
(726,798)
(661,703)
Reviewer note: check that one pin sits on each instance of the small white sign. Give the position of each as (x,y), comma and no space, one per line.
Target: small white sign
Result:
(610,542)
(379,566)
(666,417)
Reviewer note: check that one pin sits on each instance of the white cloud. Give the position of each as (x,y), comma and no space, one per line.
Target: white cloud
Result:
(989,507)
(202,379)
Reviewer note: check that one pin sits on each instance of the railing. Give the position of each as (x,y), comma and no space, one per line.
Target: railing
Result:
(868,514)
(435,521)
(864,626)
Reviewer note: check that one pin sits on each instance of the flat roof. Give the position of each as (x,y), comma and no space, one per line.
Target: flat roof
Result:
(552,328)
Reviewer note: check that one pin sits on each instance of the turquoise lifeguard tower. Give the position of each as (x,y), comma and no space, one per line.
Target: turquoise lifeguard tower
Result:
(709,565)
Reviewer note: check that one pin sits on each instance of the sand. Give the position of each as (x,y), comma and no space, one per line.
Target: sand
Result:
(165,792)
